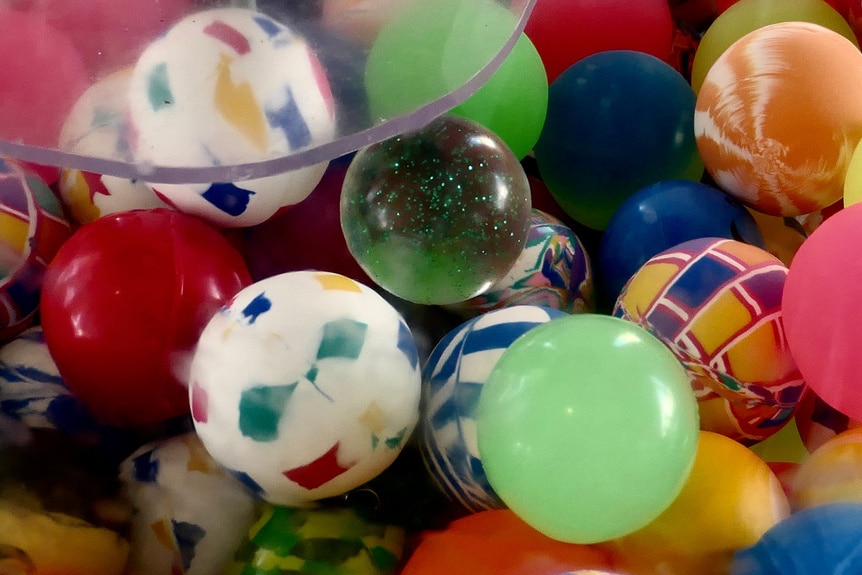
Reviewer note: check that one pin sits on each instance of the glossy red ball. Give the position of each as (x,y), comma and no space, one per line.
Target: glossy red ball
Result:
(123,304)
(566,31)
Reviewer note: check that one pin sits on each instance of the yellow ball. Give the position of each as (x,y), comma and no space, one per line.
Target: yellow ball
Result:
(748,15)
(58,543)
(731,499)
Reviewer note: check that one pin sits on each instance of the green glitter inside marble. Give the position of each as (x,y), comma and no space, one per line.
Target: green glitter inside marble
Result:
(438,215)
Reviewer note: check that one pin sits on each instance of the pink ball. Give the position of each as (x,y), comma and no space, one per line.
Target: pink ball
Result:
(822,311)
(108,33)
(41,76)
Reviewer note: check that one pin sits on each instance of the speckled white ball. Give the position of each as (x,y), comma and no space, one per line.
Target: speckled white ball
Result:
(97,127)
(306,386)
(224,87)
(189,513)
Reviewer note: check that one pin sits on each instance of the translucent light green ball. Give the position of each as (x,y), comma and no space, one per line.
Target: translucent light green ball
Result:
(587,428)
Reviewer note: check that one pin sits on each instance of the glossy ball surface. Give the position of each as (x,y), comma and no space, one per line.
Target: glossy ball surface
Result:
(97,126)
(815,323)
(832,474)
(40,79)
(123,305)
(32,391)
(749,15)
(617,122)
(438,215)
(429,49)
(553,270)
(188,512)
(730,500)
(230,86)
(571,411)
(32,230)
(566,31)
(661,216)
(823,539)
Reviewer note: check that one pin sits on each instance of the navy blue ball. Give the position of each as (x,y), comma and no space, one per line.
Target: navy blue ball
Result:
(617,121)
(661,216)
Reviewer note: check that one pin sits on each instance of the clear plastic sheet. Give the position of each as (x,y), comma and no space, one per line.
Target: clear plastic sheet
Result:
(111,36)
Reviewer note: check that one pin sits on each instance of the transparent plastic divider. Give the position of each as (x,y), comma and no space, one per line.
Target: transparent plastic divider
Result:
(329,37)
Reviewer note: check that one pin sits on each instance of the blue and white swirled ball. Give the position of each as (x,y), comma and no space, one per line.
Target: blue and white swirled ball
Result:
(452,381)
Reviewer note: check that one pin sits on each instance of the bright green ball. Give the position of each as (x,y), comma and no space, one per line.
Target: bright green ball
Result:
(434,48)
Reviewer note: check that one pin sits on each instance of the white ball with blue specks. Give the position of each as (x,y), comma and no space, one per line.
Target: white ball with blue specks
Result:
(305,386)
(223,87)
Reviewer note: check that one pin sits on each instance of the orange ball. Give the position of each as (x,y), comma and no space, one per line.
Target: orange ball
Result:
(730,500)
(498,542)
(832,474)
(779,115)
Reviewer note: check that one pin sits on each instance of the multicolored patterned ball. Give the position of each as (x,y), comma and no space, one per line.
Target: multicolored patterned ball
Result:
(553,270)
(716,303)
(32,229)
(325,541)
(97,126)
(452,381)
(230,86)
(306,386)
(189,513)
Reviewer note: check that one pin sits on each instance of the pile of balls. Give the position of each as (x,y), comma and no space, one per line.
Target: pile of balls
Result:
(598,318)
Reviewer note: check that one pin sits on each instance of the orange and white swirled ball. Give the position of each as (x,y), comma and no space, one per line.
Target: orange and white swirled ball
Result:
(779,115)
(716,304)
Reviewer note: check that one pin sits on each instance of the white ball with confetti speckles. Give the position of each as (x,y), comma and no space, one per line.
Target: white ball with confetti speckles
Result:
(189,513)
(230,86)
(306,386)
